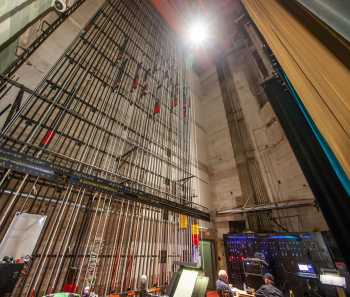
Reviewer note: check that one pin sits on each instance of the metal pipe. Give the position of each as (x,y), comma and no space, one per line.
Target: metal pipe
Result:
(277,205)
(95,114)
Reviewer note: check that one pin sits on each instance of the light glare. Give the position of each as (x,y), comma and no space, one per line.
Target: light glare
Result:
(198,33)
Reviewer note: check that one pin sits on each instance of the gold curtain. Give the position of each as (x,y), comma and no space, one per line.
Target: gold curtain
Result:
(320,79)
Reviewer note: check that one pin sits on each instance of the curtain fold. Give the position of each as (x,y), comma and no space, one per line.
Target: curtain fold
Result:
(320,79)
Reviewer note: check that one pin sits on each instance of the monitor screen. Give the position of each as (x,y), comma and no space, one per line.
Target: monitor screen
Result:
(333,280)
(186,283)
(306,268)
(306,271)
(252,267)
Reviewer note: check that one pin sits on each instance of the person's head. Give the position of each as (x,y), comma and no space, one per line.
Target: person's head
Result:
(86,290)
(222,275)
(143,281)
(268,278)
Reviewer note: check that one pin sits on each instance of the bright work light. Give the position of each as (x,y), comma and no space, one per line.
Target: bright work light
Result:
(197,33)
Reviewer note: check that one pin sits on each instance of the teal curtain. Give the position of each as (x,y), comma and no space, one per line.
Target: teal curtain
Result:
(324,145)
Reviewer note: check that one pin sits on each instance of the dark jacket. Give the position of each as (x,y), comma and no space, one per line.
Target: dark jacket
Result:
(268,291)
(223,287)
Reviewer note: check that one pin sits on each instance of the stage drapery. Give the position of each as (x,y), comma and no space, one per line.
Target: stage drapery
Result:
(320,79)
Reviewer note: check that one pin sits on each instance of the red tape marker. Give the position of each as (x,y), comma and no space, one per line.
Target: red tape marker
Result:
(32,293)
(135,83)
(195,240)
(156,108)
(48,137)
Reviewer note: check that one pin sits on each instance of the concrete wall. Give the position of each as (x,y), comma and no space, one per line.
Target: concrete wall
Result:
(279,161)
(16,14)
(281,172)
(33,71)
(38,65)
(225,186)
(199,142)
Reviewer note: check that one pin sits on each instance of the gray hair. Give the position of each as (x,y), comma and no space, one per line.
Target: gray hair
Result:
(222,274)
(143,282)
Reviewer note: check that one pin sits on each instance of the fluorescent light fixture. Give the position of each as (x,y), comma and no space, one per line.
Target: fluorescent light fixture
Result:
(198,33)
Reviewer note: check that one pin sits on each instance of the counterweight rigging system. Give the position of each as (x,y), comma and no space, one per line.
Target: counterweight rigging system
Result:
(103,149)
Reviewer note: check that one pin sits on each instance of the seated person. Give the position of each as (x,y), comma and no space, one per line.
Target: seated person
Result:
(268,290)
(222,285)
(143,285)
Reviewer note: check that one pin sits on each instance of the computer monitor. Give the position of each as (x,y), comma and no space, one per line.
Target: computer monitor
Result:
(306,271)
(333,280)
(306,268)
(188,282)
